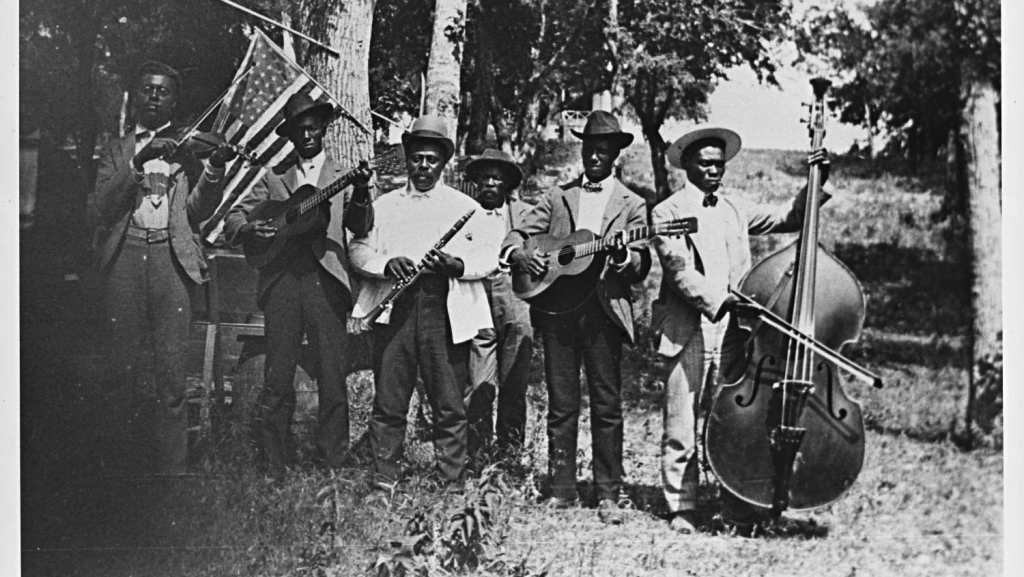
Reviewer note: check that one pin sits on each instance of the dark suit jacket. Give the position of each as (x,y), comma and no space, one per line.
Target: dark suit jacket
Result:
(556,214)
(193,198)
(330,250)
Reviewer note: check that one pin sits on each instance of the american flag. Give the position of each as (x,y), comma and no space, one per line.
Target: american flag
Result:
(252,109)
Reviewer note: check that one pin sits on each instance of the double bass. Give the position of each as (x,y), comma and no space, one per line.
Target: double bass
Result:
(785,435)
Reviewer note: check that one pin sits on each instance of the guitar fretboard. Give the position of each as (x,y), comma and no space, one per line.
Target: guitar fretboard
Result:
(324,193)
(597,245)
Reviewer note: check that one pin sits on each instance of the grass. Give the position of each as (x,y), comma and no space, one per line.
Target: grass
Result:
(921,505)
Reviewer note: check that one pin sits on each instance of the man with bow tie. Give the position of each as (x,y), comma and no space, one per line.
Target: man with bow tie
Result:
(499,362)
(305,289)
(146,208)
(693,313)
(595,332)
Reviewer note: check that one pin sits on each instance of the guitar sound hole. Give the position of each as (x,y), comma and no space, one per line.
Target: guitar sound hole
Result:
(566,255)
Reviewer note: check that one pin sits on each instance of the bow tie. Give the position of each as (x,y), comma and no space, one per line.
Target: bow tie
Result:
(710,200)
(592,186)
(493,212)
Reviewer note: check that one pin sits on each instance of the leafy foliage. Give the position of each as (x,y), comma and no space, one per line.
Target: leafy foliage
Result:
(77,57)
(904,63)
(672,53)
(463,534)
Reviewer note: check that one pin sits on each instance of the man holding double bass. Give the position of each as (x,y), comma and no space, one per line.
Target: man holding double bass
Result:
(693,317)
(305,288)
(595,331)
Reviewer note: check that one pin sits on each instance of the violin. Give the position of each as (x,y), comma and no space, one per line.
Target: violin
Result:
(193,142)
(785,435)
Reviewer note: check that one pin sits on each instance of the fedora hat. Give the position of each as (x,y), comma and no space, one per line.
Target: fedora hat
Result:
(730,139)
(492,157)
(429,127)
(601,124)
(299,105)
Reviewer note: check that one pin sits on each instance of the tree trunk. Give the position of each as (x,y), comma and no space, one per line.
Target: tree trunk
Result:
(347,29)
(980,130)
(445,64)
(84,38)
(872,133)
(501,131)
(483,86)
(662,190)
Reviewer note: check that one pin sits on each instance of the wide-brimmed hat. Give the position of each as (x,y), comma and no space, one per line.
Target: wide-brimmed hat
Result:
(300,105)
(730,139)
(429,127)
(601,124)
(492,157)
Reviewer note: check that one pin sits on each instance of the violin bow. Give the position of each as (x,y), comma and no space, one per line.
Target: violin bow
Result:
(773,320)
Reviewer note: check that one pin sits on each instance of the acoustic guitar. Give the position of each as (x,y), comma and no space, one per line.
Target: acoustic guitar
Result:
(575,263)
(297,215)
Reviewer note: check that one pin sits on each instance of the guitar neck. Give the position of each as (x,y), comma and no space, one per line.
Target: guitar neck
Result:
(601,244)
(325,193)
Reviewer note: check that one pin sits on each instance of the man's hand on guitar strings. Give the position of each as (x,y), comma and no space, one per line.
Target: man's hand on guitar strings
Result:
(532,262)
(401,268)
(443,263)
(258,229)
(619,250)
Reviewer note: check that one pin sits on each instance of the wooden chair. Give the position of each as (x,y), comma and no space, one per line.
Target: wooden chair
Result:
(230,303)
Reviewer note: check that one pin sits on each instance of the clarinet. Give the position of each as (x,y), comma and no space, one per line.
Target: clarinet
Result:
(366,323)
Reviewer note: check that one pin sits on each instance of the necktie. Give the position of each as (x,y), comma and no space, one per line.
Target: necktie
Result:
(710,200)
(591,186)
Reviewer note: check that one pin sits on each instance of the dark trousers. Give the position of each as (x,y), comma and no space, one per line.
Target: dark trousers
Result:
(418,337)
(511,342)
(305,300)
(149,313)
(587,335)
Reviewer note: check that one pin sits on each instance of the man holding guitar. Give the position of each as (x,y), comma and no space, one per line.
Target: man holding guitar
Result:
(594,330)
(305,287)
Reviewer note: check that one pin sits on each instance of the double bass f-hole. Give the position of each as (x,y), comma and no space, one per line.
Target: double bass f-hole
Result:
(759,381)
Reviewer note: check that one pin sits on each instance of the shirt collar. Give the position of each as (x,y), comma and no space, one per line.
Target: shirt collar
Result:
(314,163)
(499,212)
(139,129)
(606,185)
(412,191)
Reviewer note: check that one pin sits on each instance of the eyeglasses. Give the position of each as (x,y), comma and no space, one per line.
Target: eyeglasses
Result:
(151,89)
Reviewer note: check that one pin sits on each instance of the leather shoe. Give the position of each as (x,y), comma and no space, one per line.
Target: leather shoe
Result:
(610,513)
(553,502)
(683,522)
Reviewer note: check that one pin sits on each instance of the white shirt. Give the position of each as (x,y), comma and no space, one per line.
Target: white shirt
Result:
(409,223)
(489,227)
(592,205)
(309,169)
(152,212)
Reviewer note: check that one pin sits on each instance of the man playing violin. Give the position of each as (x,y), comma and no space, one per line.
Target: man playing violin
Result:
(696,333)
(594,332)
(428,328)
(305,289)
(146,208)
